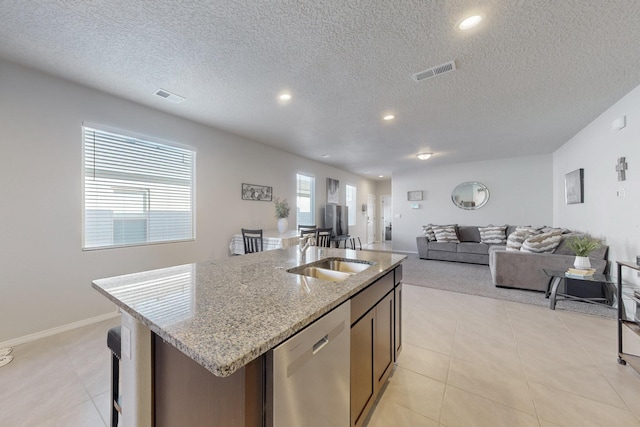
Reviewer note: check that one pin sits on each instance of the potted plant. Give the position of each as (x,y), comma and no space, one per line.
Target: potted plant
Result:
(583,246)
(282,213)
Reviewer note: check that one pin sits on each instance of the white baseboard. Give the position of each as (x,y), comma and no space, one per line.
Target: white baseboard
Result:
(59,329)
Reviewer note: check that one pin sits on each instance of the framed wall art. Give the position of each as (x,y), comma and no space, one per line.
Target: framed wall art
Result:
(333,191)
(260,193)
(413,196)
(574,187)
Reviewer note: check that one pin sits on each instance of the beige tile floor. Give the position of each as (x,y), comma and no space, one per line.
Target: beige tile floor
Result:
(467,361)
(473,361)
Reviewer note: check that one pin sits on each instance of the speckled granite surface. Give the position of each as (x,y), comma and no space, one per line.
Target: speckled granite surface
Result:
(224,314)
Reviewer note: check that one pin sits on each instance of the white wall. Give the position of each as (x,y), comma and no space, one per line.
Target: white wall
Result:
(520,193)
(596,149)
(44,274)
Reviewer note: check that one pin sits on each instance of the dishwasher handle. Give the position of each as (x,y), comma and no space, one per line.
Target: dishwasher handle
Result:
(320,344)
(306,355)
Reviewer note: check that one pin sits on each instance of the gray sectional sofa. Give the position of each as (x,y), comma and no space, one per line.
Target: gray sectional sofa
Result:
(469,250)
(525,270)
(510,269)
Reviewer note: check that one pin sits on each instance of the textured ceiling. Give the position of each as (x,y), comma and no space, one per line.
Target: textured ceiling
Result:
(529,77)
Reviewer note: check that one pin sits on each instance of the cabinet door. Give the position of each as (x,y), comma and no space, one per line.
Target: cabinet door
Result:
(362,380)
(383,345)
(398,321)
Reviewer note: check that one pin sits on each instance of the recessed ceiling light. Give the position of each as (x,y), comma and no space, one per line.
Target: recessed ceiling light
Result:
(285,97)
(389,117)
(324,155)
(469,22)
(380,176)
(424,156)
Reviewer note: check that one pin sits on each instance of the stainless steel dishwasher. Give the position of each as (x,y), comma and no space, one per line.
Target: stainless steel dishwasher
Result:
(308,375)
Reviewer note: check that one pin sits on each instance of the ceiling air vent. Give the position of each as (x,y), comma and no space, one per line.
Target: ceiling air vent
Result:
(177,99)
(434,71)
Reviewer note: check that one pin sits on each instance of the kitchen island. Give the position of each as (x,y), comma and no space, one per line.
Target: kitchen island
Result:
(224,316)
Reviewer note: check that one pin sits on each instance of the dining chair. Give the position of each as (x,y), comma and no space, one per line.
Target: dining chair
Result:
(352,243)
(306,227)
(252,240)
(323,237)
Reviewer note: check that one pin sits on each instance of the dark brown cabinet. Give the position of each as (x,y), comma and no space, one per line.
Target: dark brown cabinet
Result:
(375,342)
(362,377)
(398,320)
(383,349)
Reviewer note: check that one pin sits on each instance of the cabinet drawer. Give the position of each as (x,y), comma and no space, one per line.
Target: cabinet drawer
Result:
(368,297)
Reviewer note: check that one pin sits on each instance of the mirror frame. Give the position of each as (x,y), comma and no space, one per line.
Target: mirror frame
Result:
(483,187)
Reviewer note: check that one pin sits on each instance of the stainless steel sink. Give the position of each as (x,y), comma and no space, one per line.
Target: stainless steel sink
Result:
(342,265)
(331,269)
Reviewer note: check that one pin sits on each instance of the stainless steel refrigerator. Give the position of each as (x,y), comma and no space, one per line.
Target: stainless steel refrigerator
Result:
(337,217)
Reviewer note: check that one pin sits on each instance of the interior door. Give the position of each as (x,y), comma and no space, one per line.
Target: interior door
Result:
(385,220)
(371,218)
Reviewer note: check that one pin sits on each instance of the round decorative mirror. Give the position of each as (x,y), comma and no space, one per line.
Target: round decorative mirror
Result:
(470,195)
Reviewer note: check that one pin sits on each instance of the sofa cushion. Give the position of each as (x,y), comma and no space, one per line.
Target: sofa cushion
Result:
(543,243)
(428,232)
(515,239)
(563,248)
(493,235)
(443,246)
(467,233)
(446,233)
(473,248)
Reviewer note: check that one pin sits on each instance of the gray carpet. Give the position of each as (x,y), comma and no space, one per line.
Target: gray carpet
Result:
(476,280)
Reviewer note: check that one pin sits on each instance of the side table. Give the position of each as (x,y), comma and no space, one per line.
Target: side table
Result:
(597,289)
(627,292)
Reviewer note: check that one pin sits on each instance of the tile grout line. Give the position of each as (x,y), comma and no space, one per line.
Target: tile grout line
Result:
(524,372)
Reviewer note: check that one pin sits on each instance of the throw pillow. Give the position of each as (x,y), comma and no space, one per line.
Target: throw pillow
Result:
(493,235)
(542,243)
(428,232)
(515,240)
(446,233)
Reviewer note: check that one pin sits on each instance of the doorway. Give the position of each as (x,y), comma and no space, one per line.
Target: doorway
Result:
(371,209)
(386,208)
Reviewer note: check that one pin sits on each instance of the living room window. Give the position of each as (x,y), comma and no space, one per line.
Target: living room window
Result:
(351,203)
(305,199)
(136,191)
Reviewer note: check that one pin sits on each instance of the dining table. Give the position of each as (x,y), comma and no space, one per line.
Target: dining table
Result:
(271,239)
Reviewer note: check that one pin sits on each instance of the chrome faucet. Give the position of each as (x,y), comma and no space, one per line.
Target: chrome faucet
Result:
(305,242)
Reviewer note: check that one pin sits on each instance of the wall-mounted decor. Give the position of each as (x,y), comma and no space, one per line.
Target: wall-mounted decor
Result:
(414,195)
(470,195)
(261,193)
(574,187)
(621,167)
(333,191)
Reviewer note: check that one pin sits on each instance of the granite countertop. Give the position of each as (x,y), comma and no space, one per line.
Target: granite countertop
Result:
(224,314)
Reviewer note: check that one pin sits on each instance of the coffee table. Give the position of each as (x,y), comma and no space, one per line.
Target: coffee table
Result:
(597,289)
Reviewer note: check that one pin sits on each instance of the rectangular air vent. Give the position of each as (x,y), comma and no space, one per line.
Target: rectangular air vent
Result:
(434,71)
(177,99)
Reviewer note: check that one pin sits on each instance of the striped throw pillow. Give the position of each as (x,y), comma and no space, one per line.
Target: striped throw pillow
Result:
(428,232)
(446,233)
(517,238)
(542,243)
(493,235)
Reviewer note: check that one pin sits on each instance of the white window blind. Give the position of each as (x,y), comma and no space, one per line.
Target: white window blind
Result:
(136,191)
(305,200)
(351,203)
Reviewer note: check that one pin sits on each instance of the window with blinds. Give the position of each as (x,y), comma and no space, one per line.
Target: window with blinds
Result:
(351,203)
(305,199)
(136,191)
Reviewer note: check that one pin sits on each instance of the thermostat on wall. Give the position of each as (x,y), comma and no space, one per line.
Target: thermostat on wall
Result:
(415,206)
